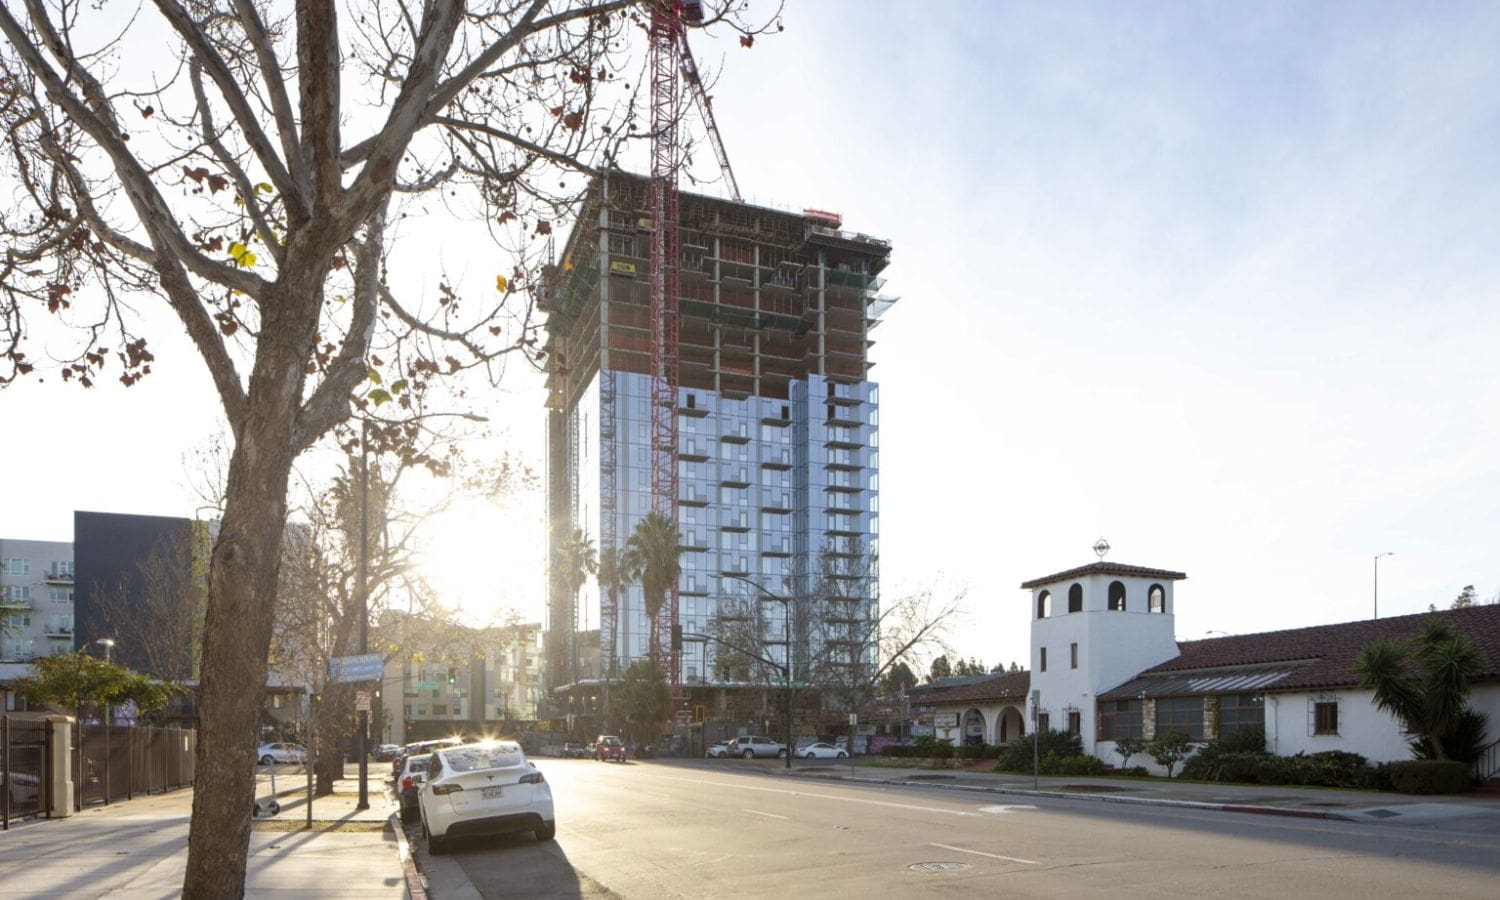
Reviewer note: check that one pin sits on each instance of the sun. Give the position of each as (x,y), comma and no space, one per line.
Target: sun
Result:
(484,561)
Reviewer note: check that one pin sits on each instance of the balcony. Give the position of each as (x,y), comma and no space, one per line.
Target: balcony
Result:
(59,631)
(17,603)
(58,578)
(735,476)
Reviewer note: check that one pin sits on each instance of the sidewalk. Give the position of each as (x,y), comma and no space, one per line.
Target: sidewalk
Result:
(138,848)
(1463,812)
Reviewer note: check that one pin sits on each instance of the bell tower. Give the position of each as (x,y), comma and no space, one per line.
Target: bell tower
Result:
(1093,628)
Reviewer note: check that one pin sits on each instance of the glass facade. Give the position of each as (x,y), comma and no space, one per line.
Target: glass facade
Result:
(777,492)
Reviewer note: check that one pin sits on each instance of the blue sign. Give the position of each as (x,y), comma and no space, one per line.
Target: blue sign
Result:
(366,667)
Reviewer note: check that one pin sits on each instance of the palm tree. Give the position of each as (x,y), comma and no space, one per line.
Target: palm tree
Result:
(617,571)
(576,561)
(1429,691)
(654,546)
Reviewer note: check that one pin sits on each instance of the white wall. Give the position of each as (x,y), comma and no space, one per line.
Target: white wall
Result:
(991,713)
(1363,728)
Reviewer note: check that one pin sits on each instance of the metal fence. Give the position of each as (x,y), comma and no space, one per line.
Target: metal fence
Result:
(23,754)
(115,762)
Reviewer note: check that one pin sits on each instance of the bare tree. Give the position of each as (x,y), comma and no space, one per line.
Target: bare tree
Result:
(250,179)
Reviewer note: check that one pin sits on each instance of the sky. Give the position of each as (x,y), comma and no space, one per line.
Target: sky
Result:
(1215,282)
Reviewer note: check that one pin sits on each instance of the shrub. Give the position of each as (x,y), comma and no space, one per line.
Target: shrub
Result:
(1245,740)
(1136,772)
(1430,776)
(932,747)
(1465,740)
(1073,765)
(1170,749)
(1016,757)
(1128,747)
(977,751)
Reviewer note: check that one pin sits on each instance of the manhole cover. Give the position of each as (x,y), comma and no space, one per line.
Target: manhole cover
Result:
(937,866)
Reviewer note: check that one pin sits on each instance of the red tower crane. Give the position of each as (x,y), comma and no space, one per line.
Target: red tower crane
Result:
(670,59)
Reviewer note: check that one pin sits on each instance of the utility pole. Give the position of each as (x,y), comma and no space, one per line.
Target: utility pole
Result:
(364,603)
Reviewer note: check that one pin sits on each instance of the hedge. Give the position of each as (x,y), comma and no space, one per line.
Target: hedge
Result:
(1430,776)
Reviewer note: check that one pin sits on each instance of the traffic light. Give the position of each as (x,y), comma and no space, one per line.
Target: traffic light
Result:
(452,675)
(676,637)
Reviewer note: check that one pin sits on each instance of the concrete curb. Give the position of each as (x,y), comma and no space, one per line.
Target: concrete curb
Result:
(415,888)
(1107,798)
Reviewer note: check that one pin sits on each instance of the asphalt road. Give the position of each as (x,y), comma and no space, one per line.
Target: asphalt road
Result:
(733,828)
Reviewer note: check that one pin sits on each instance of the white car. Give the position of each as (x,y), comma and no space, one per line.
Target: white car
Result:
(822,751)
(718,749)
(269,754)
(483,788)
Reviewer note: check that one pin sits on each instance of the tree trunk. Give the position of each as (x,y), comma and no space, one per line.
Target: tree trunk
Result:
(242,586)
(237,634)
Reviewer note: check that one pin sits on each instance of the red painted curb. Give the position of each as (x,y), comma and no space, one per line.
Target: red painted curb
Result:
(415,889)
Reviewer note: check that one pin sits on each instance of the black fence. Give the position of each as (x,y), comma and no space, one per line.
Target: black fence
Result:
(23,755)
(116,762)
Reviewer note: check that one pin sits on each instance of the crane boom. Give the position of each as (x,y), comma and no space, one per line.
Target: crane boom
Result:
(706,110)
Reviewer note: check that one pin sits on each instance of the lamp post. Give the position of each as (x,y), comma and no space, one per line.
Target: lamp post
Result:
(108,644)
(364,603)
(786,623)
(1377,582)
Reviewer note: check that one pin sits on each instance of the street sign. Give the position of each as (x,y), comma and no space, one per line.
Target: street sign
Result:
(362,701)
(366,667)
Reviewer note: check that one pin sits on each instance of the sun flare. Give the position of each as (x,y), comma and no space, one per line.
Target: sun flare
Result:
(483,561)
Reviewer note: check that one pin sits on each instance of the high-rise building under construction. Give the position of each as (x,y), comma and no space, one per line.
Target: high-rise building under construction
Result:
(777,455)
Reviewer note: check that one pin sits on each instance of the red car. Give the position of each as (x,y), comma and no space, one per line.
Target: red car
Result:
(609,747)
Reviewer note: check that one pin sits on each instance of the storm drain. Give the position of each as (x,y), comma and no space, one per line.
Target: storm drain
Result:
(925,867)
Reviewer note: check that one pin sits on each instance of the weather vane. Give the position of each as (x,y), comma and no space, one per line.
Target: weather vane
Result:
(1101,548)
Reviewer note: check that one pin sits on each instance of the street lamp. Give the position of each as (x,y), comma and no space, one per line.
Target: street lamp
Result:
(1377,581)
(786,668)
(108,644)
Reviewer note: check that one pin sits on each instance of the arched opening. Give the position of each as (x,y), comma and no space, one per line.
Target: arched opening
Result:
(1156,599)
(1117,596)
(1012,725)
(974,727)
(1044,604)
(1075,598)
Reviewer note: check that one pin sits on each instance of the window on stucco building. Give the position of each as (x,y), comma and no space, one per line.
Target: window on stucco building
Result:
(1119,719)
(1075,723)
(1325,717)
(1075,598)
(1183,715)
(1241,712)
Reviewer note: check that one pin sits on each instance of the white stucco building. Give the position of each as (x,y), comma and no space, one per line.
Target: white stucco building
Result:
(1106,664)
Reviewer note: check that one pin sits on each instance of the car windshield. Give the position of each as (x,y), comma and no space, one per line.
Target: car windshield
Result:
(482,756)
(418,763)
(610,741)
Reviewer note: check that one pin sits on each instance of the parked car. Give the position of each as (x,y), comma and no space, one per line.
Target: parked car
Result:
(822,751)
(279,753)
(718,749)
(756,747)
(24,789)
(412,773)
(573,750)
(419,748)
(483,788)
(610,746)
(387,752)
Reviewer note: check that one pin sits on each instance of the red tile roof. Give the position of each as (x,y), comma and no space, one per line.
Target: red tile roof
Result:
(1105,568)
(1331,650)
(1002,686)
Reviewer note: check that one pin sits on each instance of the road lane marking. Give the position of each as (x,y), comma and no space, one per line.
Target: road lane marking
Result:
(1003,808)
(905,806)
(766,814)
(990,855)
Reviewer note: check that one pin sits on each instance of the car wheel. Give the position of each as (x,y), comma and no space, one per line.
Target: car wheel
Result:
(749,754)
(781,754)
(266,760)
(547,832)
(843,755)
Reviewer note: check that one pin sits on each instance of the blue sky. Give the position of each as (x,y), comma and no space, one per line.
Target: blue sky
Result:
(1214,281)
